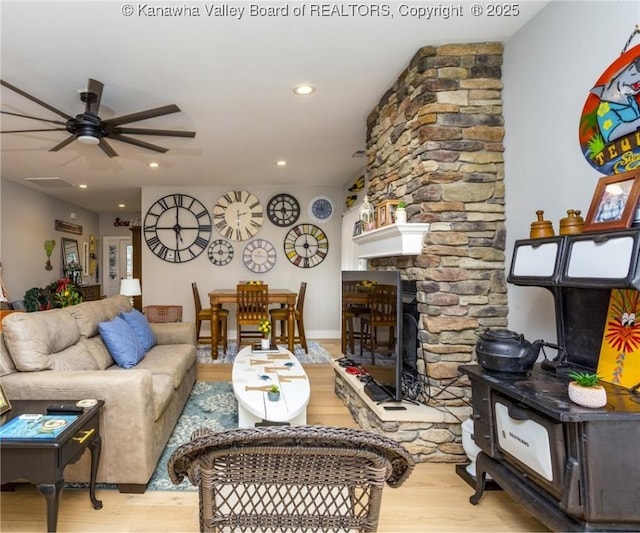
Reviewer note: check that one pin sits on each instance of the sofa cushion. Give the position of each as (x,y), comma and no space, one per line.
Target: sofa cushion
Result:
(90,314)
(173,360)
(121,341)
(75,357)
(6,363)
(95,346)
(31,338)
(140,326)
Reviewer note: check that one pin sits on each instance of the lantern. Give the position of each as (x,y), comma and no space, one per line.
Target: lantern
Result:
(367,214)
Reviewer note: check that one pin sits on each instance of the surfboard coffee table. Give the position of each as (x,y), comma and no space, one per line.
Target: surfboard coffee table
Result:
(253,374)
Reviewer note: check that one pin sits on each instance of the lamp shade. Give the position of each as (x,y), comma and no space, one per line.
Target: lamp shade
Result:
(130,287)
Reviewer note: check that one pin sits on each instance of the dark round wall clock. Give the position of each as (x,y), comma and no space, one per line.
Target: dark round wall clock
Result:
(177,228)
(283,210)
(306,245)
(220,252)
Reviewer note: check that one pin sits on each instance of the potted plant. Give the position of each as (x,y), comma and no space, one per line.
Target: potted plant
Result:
(586,391)
(274,393)
(265,328)
(401,213)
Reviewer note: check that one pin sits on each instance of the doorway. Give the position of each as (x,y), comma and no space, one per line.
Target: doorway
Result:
(117,253)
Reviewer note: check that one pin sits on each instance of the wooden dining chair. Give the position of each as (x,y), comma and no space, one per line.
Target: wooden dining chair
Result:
(204,315)
(252,307)
(281,315)
(351,314)
(382,314)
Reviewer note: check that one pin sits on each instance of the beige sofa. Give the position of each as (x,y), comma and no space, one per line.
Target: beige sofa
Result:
(59,355)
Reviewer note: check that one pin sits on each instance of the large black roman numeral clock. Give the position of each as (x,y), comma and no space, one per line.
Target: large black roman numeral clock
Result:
(306,245)
(238,215)
(177,228)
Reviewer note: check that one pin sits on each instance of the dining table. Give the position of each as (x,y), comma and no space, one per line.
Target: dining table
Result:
(286,297)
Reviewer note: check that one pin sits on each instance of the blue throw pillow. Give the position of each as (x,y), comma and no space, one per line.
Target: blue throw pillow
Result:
(140,326)
(122,342)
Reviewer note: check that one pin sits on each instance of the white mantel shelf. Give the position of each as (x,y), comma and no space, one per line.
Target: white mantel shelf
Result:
(394,239)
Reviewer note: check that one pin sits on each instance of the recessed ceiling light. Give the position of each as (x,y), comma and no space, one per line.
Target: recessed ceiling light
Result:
(122,205)
(304,89)
(83,185)
(281,163)
(153,164)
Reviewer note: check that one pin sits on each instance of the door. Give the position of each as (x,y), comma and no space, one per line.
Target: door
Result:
(117,253)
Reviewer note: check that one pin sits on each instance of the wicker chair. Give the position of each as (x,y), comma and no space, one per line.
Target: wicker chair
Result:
(279,478)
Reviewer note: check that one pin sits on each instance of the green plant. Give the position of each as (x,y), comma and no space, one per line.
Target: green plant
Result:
(402,205)
(585,379)
(274,388)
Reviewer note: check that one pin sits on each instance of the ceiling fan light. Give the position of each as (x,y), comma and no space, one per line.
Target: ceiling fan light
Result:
(88,139)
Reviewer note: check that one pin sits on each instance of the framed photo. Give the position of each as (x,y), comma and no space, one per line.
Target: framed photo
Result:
(614,202)
(385,212)
(357,228)
(5,405)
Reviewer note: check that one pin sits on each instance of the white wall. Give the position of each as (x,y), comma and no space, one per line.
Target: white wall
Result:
(549,67)
(169,283)
(28,219)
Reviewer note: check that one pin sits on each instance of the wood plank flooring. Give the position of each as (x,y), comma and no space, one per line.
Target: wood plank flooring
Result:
(434,498)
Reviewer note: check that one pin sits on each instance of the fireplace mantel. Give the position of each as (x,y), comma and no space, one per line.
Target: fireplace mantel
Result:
(394,239)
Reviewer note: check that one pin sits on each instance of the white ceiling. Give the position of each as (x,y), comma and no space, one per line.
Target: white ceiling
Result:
(232,80)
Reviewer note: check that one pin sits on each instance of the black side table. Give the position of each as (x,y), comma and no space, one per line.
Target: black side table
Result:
(42,461)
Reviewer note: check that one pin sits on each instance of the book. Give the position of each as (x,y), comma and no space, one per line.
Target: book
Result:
(257,348)
(36,426)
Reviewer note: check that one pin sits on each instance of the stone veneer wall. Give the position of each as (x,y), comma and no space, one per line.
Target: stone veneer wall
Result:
(435,141)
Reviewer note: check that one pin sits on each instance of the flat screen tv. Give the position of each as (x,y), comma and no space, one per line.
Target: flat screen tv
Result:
(388,369)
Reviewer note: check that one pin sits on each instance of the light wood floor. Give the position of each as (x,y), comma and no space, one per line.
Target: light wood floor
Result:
(434,498)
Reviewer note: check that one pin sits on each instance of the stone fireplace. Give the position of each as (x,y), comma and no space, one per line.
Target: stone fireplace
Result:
(435,141)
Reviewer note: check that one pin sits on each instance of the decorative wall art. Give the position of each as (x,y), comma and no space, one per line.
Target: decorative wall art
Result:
(619,361)
(68,227)
(306,245)
(238,215)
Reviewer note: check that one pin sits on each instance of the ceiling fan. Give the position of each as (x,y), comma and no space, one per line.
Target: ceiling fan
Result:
(89,128)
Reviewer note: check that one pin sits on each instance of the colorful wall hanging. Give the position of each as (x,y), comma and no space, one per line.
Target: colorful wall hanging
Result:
(619,361)
(610,121)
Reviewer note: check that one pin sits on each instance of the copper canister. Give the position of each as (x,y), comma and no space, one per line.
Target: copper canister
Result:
(572,224)
(541,228)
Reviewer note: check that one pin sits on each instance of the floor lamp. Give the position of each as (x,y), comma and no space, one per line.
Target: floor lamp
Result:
(130,287)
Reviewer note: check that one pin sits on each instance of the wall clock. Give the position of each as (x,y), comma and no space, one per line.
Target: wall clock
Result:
(259,256)
(220,252)
(306,245)
(283,210)
(321,209)
(238,215)
(177,228)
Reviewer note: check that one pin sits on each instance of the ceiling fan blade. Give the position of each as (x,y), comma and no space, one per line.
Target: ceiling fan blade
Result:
(34,99)
(142,115)
(141,144)
(106,148)
(143,131)
(34,118)
(92,96)
(29,131)
(64,143)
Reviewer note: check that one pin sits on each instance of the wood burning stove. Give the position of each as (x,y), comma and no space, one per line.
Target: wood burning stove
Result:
(575,469)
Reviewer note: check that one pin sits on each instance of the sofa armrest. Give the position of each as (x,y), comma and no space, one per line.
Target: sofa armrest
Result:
(175,332)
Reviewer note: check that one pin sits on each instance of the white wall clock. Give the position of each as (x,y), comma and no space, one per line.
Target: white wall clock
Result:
(220,252)
(238,215)
(321,209)
(306,245)
(177,228)
(259,256)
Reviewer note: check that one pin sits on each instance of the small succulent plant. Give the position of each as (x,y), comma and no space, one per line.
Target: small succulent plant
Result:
(402,205)
(585,379)
(275,389)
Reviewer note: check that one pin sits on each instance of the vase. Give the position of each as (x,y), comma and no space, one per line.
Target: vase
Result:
(265,344)
(401,215)
(273,396)
(592,397)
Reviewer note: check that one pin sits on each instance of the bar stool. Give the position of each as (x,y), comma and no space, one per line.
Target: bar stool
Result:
(282,314)
(205,315)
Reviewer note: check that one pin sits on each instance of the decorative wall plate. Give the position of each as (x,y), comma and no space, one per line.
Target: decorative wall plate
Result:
(177,228)
(283,210)
(220,252)
(259,256)
(238,215)
(306,245)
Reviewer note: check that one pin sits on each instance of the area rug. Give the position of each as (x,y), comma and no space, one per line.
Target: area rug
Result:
(210,404)
(317,354)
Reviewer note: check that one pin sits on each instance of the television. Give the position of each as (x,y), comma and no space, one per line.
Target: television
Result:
(389,368)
